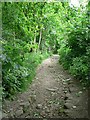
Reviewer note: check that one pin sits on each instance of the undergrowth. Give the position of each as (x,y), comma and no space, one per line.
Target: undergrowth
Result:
(19,78)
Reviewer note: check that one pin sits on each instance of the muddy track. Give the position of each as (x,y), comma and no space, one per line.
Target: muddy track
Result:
(54,93)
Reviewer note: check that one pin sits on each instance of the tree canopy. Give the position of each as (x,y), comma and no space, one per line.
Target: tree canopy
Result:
(31,31)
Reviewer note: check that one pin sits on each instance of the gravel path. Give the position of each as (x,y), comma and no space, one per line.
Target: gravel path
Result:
(53,94)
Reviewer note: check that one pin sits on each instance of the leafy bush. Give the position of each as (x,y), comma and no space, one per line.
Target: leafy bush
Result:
(75,50)
(14,80)
(80,70)
(65,55)
(13,71)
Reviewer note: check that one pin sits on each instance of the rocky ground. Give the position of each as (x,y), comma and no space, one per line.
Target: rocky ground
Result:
(54,93)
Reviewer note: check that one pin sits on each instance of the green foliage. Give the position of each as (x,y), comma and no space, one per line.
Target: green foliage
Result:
(75,46)
(17,77)
(21,29)
(79,68)
(65,55)
(31,31)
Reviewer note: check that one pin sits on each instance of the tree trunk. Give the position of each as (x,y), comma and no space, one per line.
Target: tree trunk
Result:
(40,39)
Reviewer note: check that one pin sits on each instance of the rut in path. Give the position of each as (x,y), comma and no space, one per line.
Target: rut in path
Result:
(53,93)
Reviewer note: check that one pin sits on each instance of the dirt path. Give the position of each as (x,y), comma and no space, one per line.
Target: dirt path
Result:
(53,93)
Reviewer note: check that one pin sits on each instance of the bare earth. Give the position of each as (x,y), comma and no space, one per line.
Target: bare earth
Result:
(54,93)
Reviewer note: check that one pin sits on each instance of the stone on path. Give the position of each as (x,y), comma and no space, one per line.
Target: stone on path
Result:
(19,112)
(52,93)
(52,89)
(39,106)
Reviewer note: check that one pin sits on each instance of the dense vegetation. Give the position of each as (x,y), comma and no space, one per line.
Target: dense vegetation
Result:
(33,31)
(75,47)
